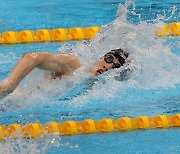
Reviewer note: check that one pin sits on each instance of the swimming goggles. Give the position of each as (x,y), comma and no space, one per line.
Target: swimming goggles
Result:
(108,58)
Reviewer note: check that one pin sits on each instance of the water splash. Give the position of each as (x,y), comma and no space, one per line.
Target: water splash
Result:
(34,146)
(151,60)
(145,50)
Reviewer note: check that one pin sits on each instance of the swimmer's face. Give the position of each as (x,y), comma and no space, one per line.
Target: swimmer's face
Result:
(102,65)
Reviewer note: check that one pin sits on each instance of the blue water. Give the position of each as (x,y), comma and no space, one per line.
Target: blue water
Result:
(153,88)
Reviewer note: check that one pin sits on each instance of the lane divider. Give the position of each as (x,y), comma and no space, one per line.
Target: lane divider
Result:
(74,34)
(46,35)
(89,126)
(172,29)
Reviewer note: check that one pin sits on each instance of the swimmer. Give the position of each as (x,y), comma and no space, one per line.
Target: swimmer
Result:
(60,64)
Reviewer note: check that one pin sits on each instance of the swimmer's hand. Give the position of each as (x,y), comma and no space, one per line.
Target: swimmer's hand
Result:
(5,89)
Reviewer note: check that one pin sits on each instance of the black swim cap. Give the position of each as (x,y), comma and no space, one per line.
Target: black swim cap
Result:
(120,55)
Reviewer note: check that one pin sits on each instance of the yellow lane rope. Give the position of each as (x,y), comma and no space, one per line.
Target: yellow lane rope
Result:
(46,35)
(73,34)
(89,126)
(172,29)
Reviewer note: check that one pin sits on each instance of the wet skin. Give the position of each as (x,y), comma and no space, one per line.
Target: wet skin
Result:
(101,66)
(61,64)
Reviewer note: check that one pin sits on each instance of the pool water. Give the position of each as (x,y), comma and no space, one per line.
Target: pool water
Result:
(152,88)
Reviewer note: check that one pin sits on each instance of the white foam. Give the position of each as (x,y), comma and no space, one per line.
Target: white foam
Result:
(153,63)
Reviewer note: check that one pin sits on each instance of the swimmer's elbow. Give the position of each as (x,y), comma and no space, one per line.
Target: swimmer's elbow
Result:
(34,57)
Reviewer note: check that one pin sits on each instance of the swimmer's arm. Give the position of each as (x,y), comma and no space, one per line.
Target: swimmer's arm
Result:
(29,61)
(26,64)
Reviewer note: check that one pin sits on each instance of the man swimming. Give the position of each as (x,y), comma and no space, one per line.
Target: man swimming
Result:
(59,65)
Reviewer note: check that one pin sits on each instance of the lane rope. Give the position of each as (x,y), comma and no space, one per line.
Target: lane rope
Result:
(46,35)
(72,34)
(89,126)
(172,29)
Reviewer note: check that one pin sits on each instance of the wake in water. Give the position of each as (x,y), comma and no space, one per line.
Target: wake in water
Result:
(151,63)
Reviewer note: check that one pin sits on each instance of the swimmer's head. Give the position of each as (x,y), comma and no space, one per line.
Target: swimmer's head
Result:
(113,59)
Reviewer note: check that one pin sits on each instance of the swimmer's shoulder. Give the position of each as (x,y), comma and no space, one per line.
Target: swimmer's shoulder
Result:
(67,55)
(70,59)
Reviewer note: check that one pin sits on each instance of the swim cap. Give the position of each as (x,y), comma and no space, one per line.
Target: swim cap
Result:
(120,55)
